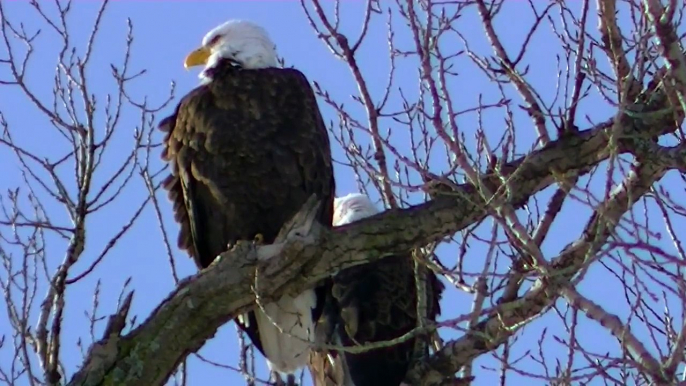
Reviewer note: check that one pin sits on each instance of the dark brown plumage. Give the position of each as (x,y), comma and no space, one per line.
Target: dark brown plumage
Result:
(382,296)
(246,151)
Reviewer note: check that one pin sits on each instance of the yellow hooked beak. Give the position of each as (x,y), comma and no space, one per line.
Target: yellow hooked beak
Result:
(197,57)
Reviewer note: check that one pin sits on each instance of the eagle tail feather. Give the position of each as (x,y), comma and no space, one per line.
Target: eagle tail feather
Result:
(286,331)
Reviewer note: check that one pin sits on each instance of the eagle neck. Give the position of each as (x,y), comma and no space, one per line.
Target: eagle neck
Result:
(221,65)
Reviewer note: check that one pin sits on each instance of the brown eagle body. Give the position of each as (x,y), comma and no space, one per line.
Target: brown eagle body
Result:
(378,302)
(381,296)
(246,150)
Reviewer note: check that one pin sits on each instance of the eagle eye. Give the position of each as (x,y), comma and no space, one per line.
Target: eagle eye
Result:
(214,41)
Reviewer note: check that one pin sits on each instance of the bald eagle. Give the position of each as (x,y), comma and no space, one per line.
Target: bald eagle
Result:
(247,148)
(377,302)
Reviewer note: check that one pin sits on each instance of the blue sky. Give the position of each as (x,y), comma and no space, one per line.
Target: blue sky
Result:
(164,32)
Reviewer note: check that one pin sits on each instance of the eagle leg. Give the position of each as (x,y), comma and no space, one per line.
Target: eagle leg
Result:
(276,377)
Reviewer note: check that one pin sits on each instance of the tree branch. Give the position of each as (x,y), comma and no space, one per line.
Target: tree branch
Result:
(193,312)
(499,327)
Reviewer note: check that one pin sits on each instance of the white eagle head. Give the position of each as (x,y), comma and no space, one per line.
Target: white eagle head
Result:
(241,41)
(351,208)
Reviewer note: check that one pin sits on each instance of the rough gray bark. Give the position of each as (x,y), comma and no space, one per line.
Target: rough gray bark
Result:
(193,312)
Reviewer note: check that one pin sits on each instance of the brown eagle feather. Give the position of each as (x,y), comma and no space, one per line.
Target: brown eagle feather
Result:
(378,303)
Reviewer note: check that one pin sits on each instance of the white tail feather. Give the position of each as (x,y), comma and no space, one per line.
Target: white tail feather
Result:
(287,331)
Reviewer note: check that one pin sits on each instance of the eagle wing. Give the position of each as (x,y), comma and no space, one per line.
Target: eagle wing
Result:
(250,142)
(246,152)
(378,303)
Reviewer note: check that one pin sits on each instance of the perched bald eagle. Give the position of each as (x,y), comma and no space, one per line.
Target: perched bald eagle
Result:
(247,148)
(377,302)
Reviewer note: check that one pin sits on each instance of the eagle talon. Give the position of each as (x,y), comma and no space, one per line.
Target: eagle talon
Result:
(259,239)
(238,244)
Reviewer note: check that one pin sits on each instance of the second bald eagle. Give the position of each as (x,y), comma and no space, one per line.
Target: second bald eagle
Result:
(247,148)
(378,302)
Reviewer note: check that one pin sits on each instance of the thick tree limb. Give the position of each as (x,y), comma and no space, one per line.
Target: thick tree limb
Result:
(194,311)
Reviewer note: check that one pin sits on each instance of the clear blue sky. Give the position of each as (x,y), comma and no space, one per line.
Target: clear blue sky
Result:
(164,32)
